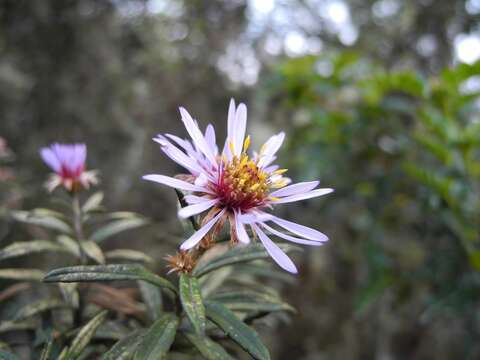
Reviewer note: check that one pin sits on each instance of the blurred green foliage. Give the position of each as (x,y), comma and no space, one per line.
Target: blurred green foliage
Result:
(402,152)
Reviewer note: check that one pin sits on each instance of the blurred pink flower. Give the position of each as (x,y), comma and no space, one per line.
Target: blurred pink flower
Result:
(68,163)
(237,186)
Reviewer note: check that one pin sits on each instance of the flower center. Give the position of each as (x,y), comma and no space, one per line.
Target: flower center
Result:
(243,185)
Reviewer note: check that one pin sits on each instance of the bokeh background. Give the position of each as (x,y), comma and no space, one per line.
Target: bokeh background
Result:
(379,99)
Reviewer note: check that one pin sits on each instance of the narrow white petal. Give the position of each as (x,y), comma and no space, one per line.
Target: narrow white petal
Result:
(230,128)
(194,199)
(175,183)
(196,135)
(210,138)
(304,196)
(198,235)
(240,229)
(300,230)
(295,189)
(292,238)
(271,169)
(252,218)
(191,210)
(179,156)
(270,148)
(201,180)
(240,128)
(275,252)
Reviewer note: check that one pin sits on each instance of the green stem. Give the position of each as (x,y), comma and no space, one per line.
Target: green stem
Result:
(77,225)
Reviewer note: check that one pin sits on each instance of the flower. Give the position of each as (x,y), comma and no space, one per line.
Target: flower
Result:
(68,163)
(236,186)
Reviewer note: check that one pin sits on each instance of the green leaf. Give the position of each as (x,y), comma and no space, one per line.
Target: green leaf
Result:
(158,339)
(242,334)
(93,251)
(85,335)
(70,293)
(48,222)
(107,273)
(47,350)
(192,302)
(251,301)
(236,255)
(128,254)
(93,202)
(28,324)
(70,244)
(116,227)
(5,355)
(126,347)
(37,307)
(22,274)
(209,349)
(28,247)
(152,297)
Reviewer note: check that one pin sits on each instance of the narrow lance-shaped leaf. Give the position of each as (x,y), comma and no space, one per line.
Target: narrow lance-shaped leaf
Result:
(93,251)
(93,202)
(209,349)
(49,222)
(116,227)
(246,300)
(107,273)
(128,254)
(47,350)
(126,347)
(22,274)
(152,297)
(37,307)
(29,247)
(237,255)
(158,339)
(238,331)
(192,302)
(85,335)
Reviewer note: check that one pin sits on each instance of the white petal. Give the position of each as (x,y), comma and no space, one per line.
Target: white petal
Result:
(175,183)
(300,230)
(198,235)
(275,252)
(295,189)
(210,138)
(196,135)
(179,156)
(304,196)
(191,210)
(270,148)
(230,128)
(292,238)
(240,128)
(201,180)
(194,199)
(240,229)
(252,218)
(271,169)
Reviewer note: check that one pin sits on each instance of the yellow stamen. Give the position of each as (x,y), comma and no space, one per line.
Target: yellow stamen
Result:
(246,144)
(280,171)
(230,146)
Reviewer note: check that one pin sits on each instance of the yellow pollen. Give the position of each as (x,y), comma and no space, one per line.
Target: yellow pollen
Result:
(244,184)
(230,146)
(246,144)
(280,171)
